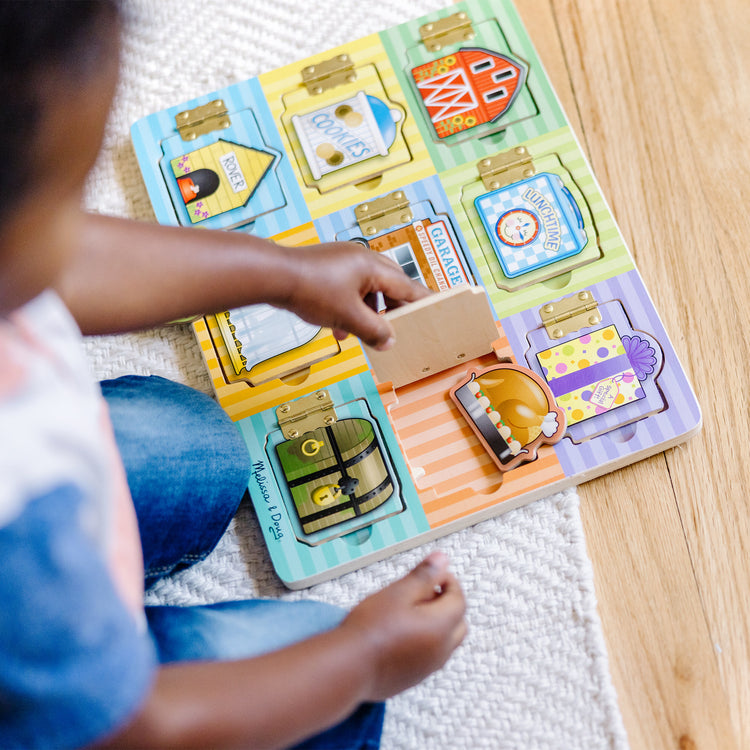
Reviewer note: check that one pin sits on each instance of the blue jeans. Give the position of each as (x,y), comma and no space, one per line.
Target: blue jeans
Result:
(188,469)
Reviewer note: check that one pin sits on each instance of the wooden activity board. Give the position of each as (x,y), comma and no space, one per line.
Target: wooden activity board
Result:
(540,362)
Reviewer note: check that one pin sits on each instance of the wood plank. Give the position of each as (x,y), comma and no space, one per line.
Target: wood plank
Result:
(664,117)
(708,64)
(661,654)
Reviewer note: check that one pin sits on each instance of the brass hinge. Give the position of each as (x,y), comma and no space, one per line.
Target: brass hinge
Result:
(328,74)
(570,314)
(506,167)
(383,213)
(446,31)
(201,120)
(306,414)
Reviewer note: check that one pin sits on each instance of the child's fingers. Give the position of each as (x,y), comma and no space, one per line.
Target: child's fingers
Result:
(450,607)
(396,285)
(372,328)
(428,578)
(443,599)
(446,602)
(379,278)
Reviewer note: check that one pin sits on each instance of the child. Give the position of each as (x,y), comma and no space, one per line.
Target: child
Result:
(80,662)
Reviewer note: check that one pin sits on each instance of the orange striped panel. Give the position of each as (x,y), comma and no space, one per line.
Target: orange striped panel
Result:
(453,473)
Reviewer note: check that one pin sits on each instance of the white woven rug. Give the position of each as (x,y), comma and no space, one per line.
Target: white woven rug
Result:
(533,671)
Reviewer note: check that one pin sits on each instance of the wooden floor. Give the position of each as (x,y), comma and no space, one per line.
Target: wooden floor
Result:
(658,92)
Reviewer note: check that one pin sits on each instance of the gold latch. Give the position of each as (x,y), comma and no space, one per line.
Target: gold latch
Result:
(306,414)
(506,167)
(570,314)
(328,74)
(208,117)
(383,213)
(446,31)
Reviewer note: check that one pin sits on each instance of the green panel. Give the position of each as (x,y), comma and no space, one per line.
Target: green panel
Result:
(536,109)
(556,152)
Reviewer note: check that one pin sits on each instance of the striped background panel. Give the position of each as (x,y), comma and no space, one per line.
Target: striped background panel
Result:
(462,184)
(148,133)
(535,111)
(240,399)
(682,413)
(454,474)
(286,81)
(296,561)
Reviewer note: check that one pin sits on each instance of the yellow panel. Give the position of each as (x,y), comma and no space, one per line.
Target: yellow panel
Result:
(241,399)
(284,85)
(298,236)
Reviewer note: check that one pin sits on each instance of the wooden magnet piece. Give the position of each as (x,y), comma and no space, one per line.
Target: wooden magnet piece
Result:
(512,412)
(219,177)
(335,473)
(532,223)
(346,132)
(467,88)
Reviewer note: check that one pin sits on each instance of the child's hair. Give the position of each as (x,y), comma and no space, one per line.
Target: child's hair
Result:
(38,37)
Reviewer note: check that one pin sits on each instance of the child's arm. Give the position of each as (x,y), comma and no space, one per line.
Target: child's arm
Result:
(129,275)
(388,643)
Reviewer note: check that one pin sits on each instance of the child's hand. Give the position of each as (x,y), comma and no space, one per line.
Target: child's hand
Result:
(410,628)
(334,285)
